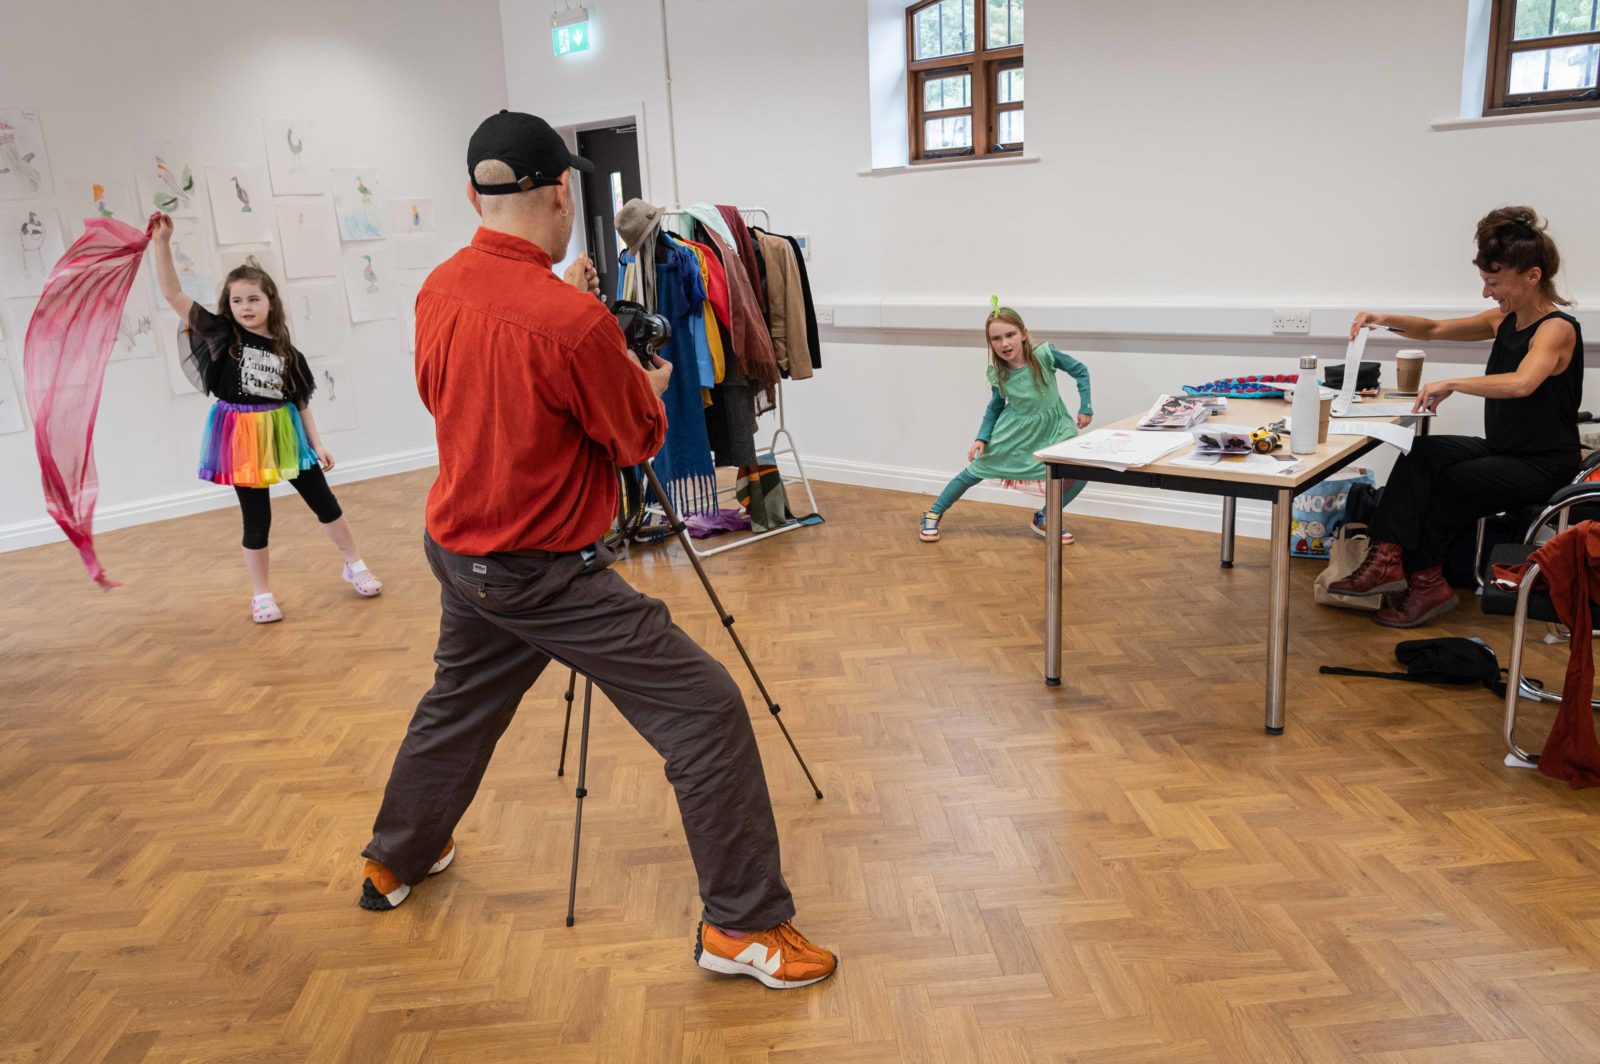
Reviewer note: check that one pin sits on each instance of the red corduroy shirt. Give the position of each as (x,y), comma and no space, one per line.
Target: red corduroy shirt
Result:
(535,401)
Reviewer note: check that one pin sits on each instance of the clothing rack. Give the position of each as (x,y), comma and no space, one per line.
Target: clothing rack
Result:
(764,218)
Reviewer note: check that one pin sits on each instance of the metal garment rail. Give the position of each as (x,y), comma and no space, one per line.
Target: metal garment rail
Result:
(763,217)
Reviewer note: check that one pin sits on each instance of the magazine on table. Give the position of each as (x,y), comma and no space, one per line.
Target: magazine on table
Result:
(1176,412)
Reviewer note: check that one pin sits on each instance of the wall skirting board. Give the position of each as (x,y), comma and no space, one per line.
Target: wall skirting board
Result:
(144,511)
(1201,513)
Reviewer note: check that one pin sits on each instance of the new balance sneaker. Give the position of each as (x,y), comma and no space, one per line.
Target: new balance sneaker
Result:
(381,891)
(780,957)
(929,532)
(1038,527)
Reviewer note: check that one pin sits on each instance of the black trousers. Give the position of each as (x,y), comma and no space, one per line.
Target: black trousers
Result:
(503,619)
(1448,482)
(255,504)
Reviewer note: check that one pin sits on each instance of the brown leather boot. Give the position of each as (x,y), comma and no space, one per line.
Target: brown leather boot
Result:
(1427,595)
(1379,572)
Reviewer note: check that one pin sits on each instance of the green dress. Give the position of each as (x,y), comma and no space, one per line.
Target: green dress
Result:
(1034,418)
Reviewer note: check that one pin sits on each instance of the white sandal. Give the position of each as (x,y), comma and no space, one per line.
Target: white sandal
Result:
(358,576)
(264,609)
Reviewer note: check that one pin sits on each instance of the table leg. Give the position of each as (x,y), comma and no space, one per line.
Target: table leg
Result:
(1230,507)
(1052,582)
(1278,612)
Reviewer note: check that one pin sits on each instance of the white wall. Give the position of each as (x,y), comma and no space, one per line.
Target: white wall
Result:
(1247,155)
(399,84)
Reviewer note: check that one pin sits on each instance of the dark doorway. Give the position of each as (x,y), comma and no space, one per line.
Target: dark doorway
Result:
(615,181)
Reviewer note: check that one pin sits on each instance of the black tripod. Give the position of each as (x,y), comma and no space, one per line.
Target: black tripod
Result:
(678,528)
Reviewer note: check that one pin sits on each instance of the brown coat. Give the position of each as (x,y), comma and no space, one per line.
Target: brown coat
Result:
(786,305)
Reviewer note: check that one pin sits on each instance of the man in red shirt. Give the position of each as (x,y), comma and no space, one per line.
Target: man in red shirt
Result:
(536,400)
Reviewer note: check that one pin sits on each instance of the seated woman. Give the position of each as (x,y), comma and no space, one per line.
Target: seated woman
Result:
(1530,414)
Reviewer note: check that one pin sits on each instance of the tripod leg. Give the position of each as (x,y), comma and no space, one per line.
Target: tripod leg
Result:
(682,532)
(572,685)
(583,767)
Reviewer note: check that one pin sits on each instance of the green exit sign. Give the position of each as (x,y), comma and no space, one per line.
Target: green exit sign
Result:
(564,40)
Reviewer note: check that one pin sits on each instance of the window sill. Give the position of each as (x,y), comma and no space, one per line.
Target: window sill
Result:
(955,164)
(1535,118)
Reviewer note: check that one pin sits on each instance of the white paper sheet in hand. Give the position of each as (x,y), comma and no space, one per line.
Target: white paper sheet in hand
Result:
(1352,368)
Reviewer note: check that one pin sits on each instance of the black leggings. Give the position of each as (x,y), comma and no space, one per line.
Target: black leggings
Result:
(256,505)
(1447,482)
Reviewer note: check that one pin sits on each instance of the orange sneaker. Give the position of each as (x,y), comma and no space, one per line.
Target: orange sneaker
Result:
(381,891)
(780,956)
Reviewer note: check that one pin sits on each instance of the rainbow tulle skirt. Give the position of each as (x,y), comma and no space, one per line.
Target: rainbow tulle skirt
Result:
(254,446)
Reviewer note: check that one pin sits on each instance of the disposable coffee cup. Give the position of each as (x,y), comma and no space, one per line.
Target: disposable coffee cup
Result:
(1324,416)
(1408,370)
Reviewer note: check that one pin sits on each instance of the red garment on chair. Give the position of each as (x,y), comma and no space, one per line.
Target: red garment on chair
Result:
(1571,561)
(64,356)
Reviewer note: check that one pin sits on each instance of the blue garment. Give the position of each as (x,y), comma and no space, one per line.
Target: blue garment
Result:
(697,327)
(684,462)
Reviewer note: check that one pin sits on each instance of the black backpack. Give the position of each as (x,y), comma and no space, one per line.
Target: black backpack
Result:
(1453,659)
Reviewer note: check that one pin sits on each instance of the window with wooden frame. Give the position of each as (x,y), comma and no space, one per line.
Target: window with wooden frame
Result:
(964,78)
(1543,56)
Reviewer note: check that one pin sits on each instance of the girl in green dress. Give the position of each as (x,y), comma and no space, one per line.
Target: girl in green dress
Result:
(1025,414)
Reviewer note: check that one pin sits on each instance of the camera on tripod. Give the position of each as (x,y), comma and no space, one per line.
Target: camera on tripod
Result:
(644,332)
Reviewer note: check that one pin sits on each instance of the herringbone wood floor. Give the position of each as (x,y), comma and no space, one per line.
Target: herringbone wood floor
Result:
(1124,870)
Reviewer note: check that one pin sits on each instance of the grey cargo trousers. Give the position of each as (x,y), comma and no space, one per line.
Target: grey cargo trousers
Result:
(504,618)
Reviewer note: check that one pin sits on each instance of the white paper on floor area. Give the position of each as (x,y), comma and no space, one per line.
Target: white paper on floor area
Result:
(1398,435)
(1252,463)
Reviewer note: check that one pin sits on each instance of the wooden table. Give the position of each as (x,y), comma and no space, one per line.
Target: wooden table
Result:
(1232,485)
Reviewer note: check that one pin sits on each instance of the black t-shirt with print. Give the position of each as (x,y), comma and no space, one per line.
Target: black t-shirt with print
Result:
(237,366)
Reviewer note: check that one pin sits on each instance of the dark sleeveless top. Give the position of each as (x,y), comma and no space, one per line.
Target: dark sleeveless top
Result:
(1544,424)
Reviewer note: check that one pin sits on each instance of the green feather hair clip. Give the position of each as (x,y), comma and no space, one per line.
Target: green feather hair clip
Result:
(994,304)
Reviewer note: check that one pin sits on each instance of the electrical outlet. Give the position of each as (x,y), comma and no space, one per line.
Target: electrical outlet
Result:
(824,315)
(1291,322)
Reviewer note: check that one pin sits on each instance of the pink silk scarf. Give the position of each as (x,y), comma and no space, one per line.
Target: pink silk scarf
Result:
(64,356)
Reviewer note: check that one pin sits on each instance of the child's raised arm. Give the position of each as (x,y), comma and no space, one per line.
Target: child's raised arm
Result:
(166,270)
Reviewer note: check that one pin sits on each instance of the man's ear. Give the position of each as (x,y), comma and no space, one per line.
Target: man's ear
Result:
(472,198)
(563,194)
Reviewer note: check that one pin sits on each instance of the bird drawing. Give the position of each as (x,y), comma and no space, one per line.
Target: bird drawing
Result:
(361,187)
(32,244)
(244,196)
(100,201)
(176,190)
(13,161)
(296,146)
(370,275)
(129,331)
(416,216)
(185,263)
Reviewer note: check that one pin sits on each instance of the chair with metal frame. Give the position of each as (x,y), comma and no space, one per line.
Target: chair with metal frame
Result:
(1526,602)
(1590,464)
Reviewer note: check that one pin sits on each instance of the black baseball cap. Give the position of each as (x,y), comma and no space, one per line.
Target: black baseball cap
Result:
(536,153)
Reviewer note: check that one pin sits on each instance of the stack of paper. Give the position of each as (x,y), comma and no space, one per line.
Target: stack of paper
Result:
(1117,449)
(1176,412)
